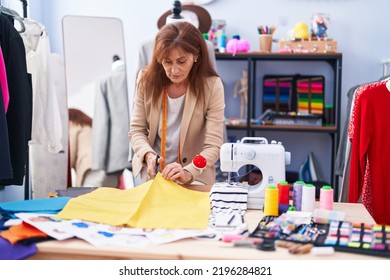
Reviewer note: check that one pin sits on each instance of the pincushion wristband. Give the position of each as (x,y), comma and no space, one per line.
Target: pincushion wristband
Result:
(199,162)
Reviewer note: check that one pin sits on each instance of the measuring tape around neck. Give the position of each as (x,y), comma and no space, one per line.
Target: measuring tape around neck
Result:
(164,130)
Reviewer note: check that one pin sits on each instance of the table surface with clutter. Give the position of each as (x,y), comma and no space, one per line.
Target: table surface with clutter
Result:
(161,219)
(230,246)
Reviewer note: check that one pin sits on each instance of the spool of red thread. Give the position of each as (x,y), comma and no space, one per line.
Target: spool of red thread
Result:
(284,192)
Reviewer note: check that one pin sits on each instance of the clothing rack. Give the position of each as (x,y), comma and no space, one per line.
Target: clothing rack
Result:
(13,14)
(24,3)
(27,193)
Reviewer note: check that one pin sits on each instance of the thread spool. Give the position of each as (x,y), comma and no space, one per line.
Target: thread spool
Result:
(271,203)
(231,237)
(284,192)
(326,198)
(221,42)
(297,195)
(283,208)
(308,198)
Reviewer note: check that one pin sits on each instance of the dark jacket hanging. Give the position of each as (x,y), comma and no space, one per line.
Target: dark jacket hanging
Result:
(19,113)
(5,162)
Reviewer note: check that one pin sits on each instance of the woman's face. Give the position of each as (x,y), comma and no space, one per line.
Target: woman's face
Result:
(177,65)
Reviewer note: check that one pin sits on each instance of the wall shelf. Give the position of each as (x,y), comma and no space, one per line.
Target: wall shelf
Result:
(252,61)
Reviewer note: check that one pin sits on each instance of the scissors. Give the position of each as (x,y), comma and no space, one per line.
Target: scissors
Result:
(156,165)
(315,232)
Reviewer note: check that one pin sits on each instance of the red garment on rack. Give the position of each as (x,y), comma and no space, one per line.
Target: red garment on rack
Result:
(369,133)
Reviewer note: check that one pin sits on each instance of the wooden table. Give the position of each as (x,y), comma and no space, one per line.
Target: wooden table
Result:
(195,249)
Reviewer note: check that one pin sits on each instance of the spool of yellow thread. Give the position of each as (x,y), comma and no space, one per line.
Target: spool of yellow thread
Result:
(271,204)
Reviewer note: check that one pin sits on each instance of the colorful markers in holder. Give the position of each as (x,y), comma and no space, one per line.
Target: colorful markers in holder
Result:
(381,235)
(338,234)
(361,236)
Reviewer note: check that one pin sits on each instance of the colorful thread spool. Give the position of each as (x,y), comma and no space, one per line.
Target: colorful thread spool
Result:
(271,201)
(308,198)
(284,192)
(326,198)
(221,42)
(283,208)
(297,194)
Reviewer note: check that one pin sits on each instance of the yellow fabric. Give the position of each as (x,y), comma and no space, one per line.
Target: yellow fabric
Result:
(158,203)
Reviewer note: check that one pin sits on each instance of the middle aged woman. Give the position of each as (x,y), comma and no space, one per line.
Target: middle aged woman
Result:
(178,109)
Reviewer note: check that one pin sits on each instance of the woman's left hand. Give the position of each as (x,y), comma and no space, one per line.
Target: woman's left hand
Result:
(174,171)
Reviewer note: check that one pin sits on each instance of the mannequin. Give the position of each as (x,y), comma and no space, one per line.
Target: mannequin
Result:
(117,64)
(181,12)
(241,88)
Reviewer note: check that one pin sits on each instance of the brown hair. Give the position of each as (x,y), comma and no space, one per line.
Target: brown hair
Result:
(187,37)
(79,117)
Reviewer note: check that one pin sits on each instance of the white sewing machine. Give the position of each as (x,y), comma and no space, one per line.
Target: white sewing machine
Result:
(269,158)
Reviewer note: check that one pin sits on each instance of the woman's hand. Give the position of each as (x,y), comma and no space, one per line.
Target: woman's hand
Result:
(150,160)
(174,171)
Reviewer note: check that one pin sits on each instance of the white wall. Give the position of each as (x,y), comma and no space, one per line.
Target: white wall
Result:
(360,27)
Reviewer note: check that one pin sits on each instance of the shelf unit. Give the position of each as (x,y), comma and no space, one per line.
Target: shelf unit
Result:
(253,62)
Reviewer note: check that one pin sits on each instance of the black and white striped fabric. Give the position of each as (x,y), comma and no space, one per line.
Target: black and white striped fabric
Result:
(226,197)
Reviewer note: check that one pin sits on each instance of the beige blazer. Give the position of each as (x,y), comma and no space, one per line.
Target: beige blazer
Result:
(201,129)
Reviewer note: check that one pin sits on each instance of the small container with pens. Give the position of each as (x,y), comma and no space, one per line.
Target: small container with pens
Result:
(265,37)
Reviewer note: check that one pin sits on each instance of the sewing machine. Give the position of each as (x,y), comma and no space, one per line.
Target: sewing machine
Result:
(269,158)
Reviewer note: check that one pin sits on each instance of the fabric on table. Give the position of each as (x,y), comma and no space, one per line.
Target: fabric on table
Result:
(16,252)
(42,205)
(225,197)
(158,203)
(21,232)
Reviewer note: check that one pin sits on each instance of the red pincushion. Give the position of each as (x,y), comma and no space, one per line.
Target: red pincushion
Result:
(199,162)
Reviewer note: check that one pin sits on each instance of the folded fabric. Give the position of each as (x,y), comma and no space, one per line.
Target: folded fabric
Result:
(228,197)
(158,203)
(50,205)
(17,251)
(21,232)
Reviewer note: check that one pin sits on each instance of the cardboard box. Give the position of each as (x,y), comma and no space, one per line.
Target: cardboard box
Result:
(308,46)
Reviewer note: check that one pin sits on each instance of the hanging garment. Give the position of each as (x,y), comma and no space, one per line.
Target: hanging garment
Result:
(20,106)
(110,126)
(369,133)
(5,162)
(48,145)
(49,170)
(4,82)
(47,124)
(343,158)
(340,158)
